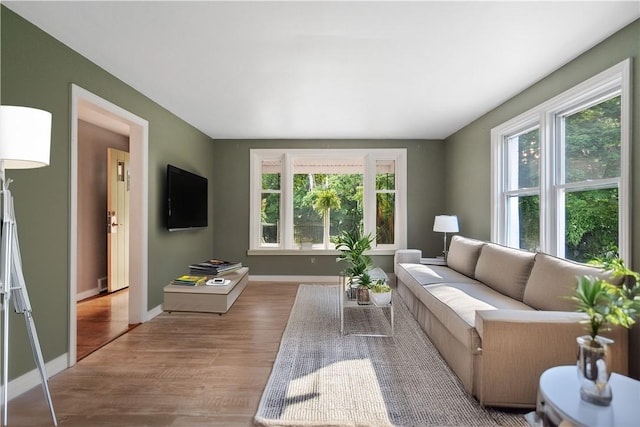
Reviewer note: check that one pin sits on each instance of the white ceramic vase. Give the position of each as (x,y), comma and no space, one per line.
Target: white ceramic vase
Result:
(380,299)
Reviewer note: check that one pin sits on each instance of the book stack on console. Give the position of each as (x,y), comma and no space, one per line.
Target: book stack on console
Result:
(189,280)
(213,267)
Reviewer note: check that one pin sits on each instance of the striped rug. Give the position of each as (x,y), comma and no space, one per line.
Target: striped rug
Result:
(323,378)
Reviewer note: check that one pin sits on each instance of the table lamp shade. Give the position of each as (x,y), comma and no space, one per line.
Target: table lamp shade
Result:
(25,137)
(446,224)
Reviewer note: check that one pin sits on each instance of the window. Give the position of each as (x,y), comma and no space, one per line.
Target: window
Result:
(560,172)
(302,199)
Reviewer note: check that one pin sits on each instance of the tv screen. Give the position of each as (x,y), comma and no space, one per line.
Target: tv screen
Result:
(187,199)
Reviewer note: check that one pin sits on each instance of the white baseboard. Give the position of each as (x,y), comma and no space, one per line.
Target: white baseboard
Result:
(31,379)
(101,286)
(153,313)
(87,294)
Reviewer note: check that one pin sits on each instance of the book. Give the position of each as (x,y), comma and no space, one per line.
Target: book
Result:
(189,280)
(213,267)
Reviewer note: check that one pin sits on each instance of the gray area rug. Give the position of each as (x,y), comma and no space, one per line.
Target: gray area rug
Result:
(323,378)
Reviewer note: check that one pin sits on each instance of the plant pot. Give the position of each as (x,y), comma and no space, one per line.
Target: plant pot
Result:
(593,369)
(381,298)
(352,291)
(306,245)
(363,295)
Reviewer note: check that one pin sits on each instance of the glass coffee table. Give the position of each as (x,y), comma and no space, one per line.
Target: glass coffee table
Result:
(374,320)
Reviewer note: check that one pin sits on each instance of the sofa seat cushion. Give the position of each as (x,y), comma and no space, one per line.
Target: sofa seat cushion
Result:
(463,255)
(455,305)
(430,274)
(504,269)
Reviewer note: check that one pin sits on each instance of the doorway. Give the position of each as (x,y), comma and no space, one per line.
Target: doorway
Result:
(94,110)
(103,235)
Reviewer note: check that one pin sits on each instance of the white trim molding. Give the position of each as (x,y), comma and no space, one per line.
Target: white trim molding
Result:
(285,158)
(82,99)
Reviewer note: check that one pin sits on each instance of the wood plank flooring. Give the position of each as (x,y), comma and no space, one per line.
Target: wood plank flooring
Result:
(101,319)
(179,369)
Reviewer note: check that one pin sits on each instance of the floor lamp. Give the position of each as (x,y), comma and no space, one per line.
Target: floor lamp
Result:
(25,139)
(445,224)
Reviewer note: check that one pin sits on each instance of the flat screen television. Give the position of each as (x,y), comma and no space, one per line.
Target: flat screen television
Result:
(187,199)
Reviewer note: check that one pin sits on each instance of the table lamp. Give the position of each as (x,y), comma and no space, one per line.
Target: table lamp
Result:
(445,224)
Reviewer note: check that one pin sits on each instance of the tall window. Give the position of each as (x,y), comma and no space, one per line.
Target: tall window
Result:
(271,172)
(522,189)
(561,172)
(302,199)
(589,175)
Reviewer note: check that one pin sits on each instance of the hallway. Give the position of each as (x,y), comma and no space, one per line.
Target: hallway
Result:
(101,319)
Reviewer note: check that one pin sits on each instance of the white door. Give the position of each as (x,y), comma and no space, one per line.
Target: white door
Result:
(117,219)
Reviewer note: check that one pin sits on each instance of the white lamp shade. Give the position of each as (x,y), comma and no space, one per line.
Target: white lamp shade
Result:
(25,137)
(446,224)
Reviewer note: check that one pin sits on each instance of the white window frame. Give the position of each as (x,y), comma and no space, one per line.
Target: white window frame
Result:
(615,80)
(287,157)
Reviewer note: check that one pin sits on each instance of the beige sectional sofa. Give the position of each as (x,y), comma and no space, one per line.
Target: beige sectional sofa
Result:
(499,316)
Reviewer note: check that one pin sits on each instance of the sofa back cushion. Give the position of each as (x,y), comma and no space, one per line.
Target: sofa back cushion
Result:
(463,255)
(505,269)
(553,281)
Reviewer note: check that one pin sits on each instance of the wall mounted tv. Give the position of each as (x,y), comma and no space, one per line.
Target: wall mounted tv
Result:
(187,199)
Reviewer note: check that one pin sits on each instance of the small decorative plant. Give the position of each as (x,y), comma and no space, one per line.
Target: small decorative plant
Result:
(607,304)
(364,283)
(380,287)
(380,293)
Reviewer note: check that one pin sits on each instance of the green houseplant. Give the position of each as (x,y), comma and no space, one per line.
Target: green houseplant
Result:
(604,304)
(352,246)
(364,283)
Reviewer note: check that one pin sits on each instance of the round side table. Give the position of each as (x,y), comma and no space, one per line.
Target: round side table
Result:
(559,400)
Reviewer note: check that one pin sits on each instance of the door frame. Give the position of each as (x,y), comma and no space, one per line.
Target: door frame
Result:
(139,217)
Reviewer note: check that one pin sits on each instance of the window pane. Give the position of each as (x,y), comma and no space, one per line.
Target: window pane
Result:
(385,208)
(523,222)
(591,224)
(271,170)
(523,166)
(385,175)
(318,194)
(270,218)
(592,142)
(349,189)
(307,222)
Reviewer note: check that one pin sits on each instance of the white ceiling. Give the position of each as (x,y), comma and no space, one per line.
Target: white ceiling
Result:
(329,69)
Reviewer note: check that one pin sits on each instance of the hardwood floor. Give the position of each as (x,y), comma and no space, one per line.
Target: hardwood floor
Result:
(179,369)
(101,319)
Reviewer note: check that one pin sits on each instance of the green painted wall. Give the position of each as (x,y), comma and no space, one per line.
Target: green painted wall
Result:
(231,206)
(467,152)
(37,71)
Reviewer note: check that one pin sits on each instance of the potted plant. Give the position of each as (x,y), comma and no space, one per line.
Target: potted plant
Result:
(380,293)
(364,283)
(352,246)
(605,304)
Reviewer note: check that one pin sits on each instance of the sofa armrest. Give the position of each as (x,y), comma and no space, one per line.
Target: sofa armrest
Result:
(517,346)
(406,256)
